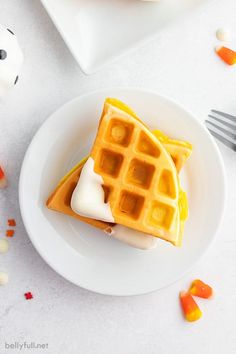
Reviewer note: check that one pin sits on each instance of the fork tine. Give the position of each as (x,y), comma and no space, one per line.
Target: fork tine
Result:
(223,140)
(225,115)
(226,132)
(231,126)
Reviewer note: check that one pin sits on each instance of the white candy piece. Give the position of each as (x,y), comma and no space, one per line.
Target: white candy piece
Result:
(4,245)
(3,278)
(223,34)
(11,60)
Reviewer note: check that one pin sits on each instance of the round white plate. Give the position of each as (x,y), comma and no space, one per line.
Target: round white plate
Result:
(86,256)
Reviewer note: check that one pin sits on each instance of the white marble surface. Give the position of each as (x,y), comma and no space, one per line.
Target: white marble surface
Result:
(179,62)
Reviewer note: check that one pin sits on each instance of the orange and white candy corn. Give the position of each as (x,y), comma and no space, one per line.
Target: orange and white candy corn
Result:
(200,289)
(227,55)
(190,308)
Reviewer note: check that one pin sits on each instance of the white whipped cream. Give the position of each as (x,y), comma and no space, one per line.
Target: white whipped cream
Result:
(11,59)
(88,196)
(132,237)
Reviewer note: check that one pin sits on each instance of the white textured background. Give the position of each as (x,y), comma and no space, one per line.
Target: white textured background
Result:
(179,63)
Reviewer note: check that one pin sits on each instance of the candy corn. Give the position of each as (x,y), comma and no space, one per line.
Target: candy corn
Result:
(3,180)
(190,308)
(200,289)
(227,55)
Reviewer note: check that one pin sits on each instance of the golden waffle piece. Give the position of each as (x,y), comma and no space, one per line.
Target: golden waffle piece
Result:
(138,173)
(180,151)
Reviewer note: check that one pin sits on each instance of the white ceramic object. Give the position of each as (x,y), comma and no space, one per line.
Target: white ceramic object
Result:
(81,253)
(98,31)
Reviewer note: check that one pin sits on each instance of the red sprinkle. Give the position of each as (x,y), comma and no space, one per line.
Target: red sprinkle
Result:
(11,222)
(28,296)
(10,233)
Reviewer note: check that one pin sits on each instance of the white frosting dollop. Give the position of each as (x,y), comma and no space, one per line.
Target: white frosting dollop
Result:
(132,237)
(11,59)
(88,196)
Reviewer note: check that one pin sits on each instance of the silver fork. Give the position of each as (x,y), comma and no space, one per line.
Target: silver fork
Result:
(217,117)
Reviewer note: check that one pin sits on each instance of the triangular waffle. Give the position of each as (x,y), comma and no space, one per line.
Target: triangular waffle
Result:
(138,173)
(165,219)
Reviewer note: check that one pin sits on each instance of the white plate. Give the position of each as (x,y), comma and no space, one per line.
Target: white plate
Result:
(97,31)
(86,256)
